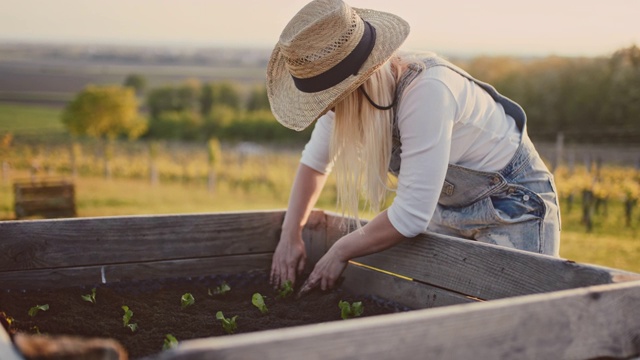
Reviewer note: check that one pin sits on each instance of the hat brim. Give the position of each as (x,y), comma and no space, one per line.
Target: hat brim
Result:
(296,109)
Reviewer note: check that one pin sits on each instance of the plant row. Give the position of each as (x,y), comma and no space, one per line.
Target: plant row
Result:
(229,324)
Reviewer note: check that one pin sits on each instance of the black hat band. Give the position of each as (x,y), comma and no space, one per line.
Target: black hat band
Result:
(350,65)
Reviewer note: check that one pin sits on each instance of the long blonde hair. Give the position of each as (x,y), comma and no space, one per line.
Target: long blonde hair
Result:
(362,140)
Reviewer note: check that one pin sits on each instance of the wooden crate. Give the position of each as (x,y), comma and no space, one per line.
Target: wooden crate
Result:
(48,198)
(472,300)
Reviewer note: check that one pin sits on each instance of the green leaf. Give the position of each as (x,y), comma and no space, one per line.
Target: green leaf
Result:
(285,290)
(258,301)
(128,314)
(350,310)
(133,327)
(357,308)
(90,297)
(220,290)
(34,310)
(187,300)
(170,342)
(229,325)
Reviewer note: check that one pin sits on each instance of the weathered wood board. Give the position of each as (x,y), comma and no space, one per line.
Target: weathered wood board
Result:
(55,253)
(46,198)
(586,323)
(538,306)
(480,270)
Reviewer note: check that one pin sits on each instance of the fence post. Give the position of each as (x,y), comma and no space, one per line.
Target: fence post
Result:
(559,150)
(6,171)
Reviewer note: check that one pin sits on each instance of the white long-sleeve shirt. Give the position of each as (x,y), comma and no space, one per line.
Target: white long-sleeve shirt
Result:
(443,118)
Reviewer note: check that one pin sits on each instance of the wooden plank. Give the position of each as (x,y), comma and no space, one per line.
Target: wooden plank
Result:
(40,190)
(93,275)
(404,292)
(481,270)
(49,199)
(315,237)
(43,244)
(586,323)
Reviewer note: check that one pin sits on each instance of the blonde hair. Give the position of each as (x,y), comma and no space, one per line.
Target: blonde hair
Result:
(362,140)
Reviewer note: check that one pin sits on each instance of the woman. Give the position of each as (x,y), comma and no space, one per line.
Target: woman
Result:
(460,151)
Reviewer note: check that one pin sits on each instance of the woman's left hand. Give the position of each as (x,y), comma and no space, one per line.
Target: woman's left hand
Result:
(326,272)
(379,234)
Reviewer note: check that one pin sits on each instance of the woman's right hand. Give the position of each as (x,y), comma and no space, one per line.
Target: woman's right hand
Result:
(289,259)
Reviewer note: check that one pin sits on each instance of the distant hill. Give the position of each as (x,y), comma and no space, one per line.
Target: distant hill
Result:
(51,74)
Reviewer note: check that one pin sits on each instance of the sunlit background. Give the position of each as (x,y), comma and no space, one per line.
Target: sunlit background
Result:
(200,137)
(568,27)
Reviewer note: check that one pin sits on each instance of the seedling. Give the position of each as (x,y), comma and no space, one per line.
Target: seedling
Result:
(170,342)
(34,310)
(126,319)
(285,290)
(350,310)
(229,325)
(258,301)
(220,290)
(90,297)
(187,300)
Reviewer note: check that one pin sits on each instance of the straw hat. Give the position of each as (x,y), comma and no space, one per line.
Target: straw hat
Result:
(325,52)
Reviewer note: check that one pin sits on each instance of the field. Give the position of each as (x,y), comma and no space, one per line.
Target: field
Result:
(52,75)
(247,184)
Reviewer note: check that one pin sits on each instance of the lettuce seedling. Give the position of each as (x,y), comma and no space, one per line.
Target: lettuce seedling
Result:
(350,310)
(258,301)
(126,318)
(229,325)
(285,290)
(90,297)
(34,310)
(170,342)
(220,290)
(187,300)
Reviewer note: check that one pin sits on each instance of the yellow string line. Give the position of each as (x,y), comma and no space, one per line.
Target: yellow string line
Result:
(380,270)
(406,278)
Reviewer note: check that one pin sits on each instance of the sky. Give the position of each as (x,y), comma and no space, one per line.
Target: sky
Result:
(473,27)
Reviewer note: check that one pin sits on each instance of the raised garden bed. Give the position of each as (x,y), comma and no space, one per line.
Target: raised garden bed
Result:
(470,300)
(158,310)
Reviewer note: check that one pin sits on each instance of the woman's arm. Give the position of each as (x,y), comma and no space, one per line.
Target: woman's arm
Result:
(377,235)
(290,256)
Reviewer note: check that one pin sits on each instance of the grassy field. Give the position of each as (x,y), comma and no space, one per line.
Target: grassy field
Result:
(30,120)
(611,243)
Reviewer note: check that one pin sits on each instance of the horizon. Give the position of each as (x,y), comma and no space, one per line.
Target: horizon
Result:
(493,27)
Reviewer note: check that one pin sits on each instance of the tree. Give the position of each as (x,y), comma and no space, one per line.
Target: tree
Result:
(104,112)
(174,99)
(179,125)
(258,99)
(227,94)
(137,82)
(219,94)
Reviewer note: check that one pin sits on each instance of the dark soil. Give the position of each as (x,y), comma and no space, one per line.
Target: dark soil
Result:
(157,310)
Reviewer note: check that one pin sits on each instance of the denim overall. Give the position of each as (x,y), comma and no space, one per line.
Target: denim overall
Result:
(514,207)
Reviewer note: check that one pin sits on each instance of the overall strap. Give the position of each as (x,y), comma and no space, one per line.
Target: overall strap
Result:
(510,107)
(483,183)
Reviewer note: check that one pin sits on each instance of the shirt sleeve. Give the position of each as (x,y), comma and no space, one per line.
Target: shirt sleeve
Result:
(316,152)
(425,119)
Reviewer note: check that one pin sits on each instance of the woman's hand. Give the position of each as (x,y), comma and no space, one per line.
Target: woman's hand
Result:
(326,272)
(379,234)
(288,261)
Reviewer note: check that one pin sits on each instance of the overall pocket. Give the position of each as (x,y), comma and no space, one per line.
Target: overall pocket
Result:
(516,204)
